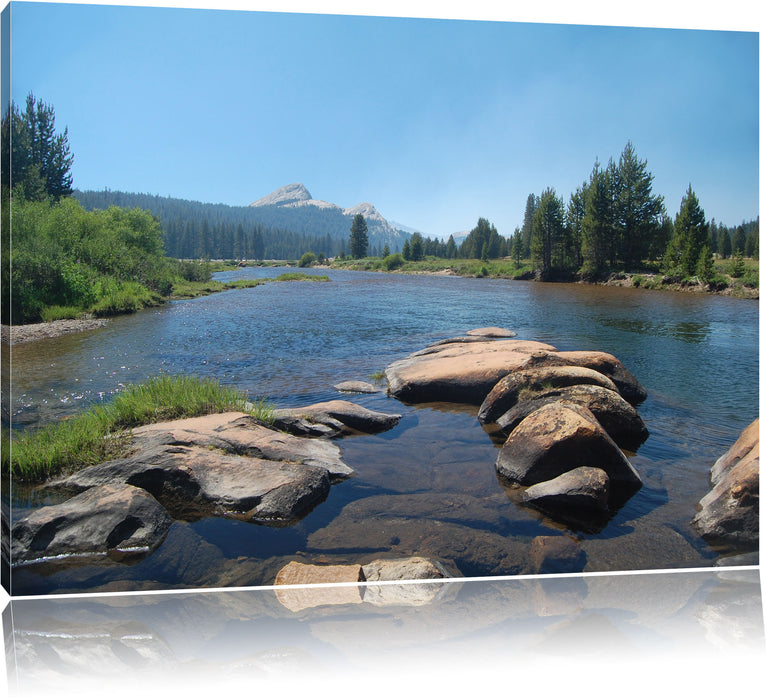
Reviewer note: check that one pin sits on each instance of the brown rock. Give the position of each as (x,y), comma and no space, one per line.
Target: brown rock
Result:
(298,574)
(729,514)
(559,437)
(458,372)
(527,383)
(617,417)
(552,554)
(357,387)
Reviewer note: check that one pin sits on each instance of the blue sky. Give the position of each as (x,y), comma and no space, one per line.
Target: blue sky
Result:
(435,121)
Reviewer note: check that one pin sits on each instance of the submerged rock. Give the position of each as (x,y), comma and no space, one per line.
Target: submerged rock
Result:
(332,419)
(357,387)
(559,437)
(110,520)
(729,514)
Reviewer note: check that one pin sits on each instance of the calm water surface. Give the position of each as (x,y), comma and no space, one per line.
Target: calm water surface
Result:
(429,485)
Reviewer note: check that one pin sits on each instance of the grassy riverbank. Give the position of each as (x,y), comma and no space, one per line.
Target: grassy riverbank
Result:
(103,432)
(730,277)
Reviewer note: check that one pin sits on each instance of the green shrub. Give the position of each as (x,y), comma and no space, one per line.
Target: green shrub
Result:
(393,261)
(307,259)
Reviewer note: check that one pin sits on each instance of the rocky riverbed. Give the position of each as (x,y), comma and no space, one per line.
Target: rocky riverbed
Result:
(564,424)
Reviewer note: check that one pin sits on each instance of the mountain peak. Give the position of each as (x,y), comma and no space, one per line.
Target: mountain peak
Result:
(366,209)
(289,194)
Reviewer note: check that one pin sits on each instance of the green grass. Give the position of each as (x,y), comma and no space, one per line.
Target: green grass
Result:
(301,277)
(59,313)
(103,432)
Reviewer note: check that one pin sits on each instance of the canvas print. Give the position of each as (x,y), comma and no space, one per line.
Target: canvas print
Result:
(302,298)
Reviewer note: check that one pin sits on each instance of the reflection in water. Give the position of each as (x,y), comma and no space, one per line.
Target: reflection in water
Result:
(495,629)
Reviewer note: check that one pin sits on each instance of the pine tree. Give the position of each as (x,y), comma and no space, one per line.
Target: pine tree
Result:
(39,158)
(517,246)
(636,210)
(597,226)
(691,233)
(548,243)
(359,240)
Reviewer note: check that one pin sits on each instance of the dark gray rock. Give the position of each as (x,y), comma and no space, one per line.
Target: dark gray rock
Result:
(117,520)
(357,387)
(580,489)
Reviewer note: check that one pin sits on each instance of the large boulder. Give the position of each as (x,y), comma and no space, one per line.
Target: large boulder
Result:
(617,417)
(332,419)
(111,520)
(458,371)
(527,383)
(225,465)
(465,369)
(729,514)
(557,438)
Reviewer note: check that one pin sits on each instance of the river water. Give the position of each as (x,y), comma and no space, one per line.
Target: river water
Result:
(428,486)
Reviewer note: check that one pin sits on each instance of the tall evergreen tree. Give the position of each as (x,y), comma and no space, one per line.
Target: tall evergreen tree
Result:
(359,239)
(517,246)
(548,242)
(691,234)
(531,203)
(39,158)
(739,240)
(597,226)
(637,211)
(451,250)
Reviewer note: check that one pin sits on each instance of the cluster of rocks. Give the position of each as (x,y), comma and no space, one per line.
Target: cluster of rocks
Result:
(565,417)
(226,465)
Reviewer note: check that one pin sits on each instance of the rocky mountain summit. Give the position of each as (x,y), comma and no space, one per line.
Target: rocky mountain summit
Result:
(296,196)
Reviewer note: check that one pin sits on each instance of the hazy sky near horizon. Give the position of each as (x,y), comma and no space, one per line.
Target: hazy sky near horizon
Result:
(436,122)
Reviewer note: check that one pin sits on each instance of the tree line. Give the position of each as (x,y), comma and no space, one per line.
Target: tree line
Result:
(612,221)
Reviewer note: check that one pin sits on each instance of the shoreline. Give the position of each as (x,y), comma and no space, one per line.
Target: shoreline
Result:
(14,335)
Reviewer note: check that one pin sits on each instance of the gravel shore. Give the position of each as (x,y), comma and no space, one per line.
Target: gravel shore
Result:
(51,329)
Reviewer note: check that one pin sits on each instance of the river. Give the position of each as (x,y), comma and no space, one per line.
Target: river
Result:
(428,486)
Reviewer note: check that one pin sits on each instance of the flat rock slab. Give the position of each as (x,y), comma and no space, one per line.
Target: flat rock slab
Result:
(557,438)
(357,387)
(297,574)
(458,372)
(240,433)
(333,418)
(115,520)
(225,465)
(729,514)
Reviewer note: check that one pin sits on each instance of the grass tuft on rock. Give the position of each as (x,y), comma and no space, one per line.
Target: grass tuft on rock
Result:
(103,432)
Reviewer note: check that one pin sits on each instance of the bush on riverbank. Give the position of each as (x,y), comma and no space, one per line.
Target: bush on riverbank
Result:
(102,432)
(101,262)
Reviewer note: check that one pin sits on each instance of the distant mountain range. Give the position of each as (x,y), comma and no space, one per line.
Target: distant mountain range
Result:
(286,203)
(283,224)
